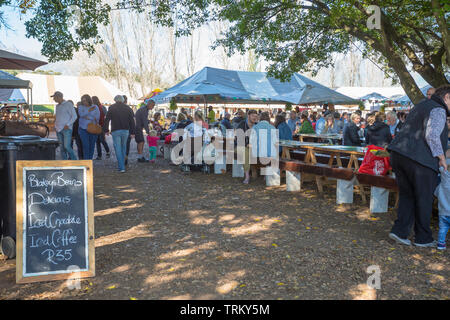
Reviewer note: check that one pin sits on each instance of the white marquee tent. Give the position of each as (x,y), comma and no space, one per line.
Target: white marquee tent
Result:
(72,87)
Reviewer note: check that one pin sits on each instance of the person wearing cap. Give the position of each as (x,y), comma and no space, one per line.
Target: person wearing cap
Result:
(142,123)
(65,117)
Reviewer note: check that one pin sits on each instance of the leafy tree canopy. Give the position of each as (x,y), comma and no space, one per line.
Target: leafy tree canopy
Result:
(294,35)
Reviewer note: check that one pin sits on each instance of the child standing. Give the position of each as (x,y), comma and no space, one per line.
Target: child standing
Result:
(443,194)
(152,140)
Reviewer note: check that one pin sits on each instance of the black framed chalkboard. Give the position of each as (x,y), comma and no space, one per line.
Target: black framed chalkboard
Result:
(54,220)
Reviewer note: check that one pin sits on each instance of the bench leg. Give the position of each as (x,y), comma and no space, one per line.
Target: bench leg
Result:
(238,170)
(379,198)
(254,172)
(360,189)
(293,181)
(319,184)
(344,191)
(166,152)
(273,179)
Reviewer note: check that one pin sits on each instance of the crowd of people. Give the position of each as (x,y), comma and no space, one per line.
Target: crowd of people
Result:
(417,142)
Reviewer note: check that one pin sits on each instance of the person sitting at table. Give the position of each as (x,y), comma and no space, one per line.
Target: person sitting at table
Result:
(226,121)
(351,136)
(377,132)
(292,122)
(284,132)
(305,126)
(330,128)
(321,122)
(338,123)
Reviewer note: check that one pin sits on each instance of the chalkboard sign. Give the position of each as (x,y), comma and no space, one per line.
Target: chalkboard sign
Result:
(55,225)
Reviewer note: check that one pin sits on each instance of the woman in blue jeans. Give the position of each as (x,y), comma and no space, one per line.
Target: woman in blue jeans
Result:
(88,113)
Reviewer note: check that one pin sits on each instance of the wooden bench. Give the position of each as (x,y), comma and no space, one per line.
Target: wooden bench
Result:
(320,169)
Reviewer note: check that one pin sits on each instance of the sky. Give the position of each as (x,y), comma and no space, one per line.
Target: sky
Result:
(15,38)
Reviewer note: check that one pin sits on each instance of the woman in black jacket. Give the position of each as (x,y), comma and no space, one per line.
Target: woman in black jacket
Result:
(351,136)
(378,133)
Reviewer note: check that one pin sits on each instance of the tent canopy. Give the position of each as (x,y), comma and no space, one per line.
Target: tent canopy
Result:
(11,96)
(373,96)
(211,85)
(8,81)
(13,61)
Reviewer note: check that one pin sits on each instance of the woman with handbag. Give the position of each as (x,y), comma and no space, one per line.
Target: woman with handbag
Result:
(88,127)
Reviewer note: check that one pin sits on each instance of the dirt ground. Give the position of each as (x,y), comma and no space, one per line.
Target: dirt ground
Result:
(164,234)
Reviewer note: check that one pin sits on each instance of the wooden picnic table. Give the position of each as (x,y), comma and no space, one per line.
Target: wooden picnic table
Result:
(318,137)
(335,152)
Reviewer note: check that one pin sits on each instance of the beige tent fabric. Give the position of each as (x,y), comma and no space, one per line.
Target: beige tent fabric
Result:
(50,84)
(94,86)
(72,88)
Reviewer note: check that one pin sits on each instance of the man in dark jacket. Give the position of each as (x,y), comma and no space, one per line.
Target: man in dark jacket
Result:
(417,152)
(350,135)
(122,125)
(226,121)
(142,124)
(378,133)
(238,119)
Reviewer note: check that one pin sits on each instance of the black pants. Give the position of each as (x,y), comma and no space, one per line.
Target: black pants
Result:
(128,145)
(79,146)
(101,141)
(416,185)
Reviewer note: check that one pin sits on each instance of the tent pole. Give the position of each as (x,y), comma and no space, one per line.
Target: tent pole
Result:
(32,105)
(206,107)
(28,102)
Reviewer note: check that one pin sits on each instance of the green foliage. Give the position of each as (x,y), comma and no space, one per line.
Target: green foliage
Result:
(65,26)
(361,106)
(295,36)
(288,106)
(173,105)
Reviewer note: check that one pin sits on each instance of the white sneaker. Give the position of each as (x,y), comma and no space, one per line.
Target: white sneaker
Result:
(426,245)
(393,236)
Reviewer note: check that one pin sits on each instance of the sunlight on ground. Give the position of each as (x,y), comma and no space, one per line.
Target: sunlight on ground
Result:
(250,228)
(155,280)
(363,292)
(186,252)
(229,281)
(121,268)
(139,231)
(117,209)
(202,221)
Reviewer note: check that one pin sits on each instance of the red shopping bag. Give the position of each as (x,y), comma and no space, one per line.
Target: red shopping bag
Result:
(375,162)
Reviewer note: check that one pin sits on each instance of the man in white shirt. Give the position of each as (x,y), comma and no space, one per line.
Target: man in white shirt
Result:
(65,117)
